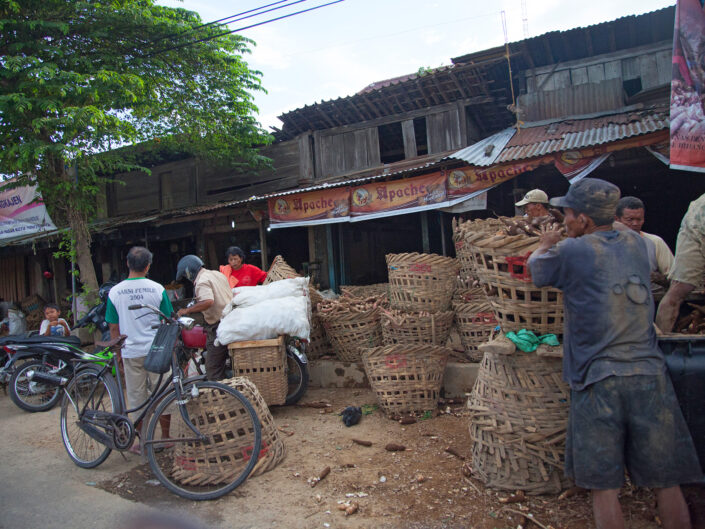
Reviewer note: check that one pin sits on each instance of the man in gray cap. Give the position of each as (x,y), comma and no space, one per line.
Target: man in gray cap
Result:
(623,410)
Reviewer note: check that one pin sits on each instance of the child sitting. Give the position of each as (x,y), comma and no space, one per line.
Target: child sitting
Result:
(53,325)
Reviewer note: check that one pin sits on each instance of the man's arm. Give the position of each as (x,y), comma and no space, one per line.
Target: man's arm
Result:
(198,307)
(671,304)
(545,262)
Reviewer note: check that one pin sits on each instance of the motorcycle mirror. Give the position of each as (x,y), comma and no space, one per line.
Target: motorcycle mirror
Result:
(187,323)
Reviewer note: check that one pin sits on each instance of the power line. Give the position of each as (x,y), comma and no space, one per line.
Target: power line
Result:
(221,21)
(179,46)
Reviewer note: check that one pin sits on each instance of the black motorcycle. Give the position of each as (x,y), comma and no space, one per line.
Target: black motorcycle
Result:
(34,366)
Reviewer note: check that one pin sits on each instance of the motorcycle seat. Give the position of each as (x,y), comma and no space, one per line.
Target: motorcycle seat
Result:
(34,340)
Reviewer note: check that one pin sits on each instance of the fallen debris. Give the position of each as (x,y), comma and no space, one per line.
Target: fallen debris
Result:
(407,420)
(393,447)
(570,493)
(316,404)
(517,497)
(362,442)
(314,481)
(528,516)
(454,452)
(348,508)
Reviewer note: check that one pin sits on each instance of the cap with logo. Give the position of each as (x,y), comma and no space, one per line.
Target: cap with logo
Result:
(535,196)
(594,197)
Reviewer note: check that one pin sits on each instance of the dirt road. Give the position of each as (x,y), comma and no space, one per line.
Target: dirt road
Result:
(422,487)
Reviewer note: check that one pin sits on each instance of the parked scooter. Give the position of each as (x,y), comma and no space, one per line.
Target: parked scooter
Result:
(34,384)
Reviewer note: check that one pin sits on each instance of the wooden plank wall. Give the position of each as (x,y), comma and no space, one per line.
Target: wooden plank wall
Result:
(348,151)
(13,278)
(443,131)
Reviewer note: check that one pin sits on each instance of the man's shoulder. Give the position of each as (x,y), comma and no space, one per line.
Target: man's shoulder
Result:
(653,237)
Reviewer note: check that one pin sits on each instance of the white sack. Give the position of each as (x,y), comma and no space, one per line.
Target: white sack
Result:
(248,296)
(266,320)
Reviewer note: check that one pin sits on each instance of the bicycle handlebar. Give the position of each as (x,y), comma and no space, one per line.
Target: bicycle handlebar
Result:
(183,321)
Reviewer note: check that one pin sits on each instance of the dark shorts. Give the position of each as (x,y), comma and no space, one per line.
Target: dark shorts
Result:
(631,422)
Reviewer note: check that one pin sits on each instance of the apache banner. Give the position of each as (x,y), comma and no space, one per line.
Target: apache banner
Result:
(315,207)
(687,88)
(471,179)
(382,199)
(22,212)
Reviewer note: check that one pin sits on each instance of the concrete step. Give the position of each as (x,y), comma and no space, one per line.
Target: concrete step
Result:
(458,379)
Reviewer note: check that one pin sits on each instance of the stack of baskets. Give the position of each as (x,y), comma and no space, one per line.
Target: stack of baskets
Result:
(421,288)
(406,378)
(351,325)
(519,414)
(264,363)
(500,263)
(364,291)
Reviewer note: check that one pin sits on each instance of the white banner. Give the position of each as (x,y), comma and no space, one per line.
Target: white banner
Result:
(21,214)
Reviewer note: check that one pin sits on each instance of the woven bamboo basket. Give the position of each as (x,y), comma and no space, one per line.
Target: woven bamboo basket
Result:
(469,295)
(416,327)
(273,450)
(264,363)
(500,263)
(406,378)
(519,414)
(279,270)
(471,229)
(475,323)
(351,330)
(318,343)
(230,440)
(421,282)
(364,291)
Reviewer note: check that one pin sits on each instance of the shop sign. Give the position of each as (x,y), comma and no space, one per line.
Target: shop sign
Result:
(687,108)
(22,212)
(466,180)
(316,207)
(412,194)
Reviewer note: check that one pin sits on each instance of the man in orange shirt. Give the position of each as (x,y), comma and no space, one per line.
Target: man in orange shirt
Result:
(239,273)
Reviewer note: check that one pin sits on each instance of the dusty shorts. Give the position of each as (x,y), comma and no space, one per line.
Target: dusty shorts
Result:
(631,422)
(139,383)
(689,263)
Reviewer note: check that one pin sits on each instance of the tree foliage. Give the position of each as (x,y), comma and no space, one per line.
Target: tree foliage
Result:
(81,77)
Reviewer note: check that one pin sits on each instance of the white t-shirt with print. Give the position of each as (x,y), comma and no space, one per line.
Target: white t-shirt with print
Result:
(136,324)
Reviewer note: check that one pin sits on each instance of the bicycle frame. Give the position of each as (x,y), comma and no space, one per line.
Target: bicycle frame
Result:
(162,389)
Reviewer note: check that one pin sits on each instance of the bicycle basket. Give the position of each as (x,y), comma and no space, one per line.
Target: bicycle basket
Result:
(159,357)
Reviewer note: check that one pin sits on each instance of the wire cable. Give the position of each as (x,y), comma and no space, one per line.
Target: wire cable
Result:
(184,45)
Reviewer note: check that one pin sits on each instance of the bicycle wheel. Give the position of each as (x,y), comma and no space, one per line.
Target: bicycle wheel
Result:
(83,449)
(32,395)
(204,470)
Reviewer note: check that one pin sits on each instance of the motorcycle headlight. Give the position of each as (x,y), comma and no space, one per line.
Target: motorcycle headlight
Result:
(186,322)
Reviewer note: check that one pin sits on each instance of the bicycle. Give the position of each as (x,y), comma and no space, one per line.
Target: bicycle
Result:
(211,435)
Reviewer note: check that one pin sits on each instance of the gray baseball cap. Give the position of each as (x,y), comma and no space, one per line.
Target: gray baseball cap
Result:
(594,197)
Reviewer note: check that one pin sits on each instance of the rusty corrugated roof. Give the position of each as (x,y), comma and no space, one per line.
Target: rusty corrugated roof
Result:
(538,139)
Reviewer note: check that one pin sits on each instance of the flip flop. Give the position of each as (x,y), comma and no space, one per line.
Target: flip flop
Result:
(135,449)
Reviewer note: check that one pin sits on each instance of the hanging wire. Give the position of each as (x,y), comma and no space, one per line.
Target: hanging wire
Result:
(514,109)
(205,39)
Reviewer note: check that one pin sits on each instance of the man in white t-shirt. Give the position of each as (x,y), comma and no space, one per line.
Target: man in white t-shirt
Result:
(137,325)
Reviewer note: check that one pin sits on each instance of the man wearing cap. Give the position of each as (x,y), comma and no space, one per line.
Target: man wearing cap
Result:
(534,203)
(688,270)
(623,410)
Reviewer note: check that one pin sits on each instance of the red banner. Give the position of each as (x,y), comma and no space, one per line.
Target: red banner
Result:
(466,180)
(687,105)
(421,191)
(313,206)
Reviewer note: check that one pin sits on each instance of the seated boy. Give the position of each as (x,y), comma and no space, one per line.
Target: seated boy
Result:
(53,324)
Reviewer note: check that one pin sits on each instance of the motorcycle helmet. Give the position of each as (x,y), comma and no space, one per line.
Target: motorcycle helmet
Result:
(104,290)
(188,267)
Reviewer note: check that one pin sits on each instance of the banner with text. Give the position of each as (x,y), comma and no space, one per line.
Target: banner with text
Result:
(381,199)
(471,179)
(687,104)
(314,207)
(21,214)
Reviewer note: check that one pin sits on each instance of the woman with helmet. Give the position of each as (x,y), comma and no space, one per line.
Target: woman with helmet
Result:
(212,293)
(239,273)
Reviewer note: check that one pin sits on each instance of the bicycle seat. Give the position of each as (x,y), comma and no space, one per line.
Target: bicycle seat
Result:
(34,340)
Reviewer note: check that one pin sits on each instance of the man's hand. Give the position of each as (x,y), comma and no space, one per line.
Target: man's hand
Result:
(548,239)
(181,312)
(54,323)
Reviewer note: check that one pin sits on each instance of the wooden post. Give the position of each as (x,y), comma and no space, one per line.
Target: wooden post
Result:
(341,254)
(331,259)
(443,234)
(424,232)
(263,245)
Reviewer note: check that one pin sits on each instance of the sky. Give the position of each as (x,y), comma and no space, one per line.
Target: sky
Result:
(337,50)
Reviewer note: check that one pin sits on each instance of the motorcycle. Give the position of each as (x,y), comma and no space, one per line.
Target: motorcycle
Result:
(194,344)
(34,384)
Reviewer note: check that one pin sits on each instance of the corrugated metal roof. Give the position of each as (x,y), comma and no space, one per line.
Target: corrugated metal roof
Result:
(538,139)
(485,152)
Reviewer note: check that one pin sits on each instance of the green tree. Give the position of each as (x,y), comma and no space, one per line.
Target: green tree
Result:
(81,77)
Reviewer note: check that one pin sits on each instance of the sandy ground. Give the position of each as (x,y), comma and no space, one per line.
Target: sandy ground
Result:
(421,487)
